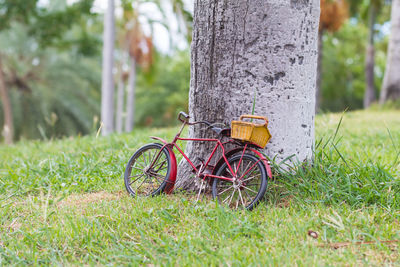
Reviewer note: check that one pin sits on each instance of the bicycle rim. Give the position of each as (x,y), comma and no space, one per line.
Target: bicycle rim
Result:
(248,188)
(147,171)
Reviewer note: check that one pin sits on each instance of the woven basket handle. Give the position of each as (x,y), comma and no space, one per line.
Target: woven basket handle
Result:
(255,117)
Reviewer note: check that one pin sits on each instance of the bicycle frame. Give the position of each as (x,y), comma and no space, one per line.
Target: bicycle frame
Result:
(218,144)
(200,171)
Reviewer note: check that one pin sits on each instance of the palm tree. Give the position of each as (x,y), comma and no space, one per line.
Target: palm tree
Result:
(107,85)
(369,95)
(139,47)
(52,92)
(333,15)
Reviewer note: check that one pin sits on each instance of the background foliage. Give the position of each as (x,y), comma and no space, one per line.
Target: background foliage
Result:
(52,58)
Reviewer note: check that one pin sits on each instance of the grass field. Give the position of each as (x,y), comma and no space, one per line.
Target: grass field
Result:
(63,202)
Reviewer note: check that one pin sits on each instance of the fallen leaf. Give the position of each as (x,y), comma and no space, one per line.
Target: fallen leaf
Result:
(313,234)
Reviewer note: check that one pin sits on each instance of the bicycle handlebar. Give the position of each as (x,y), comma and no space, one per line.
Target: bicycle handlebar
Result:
(183,117)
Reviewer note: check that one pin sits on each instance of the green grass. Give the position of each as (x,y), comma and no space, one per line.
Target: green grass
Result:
(356,162)
(51,214)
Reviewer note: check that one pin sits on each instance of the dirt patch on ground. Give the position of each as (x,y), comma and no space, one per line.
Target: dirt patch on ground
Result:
(285,202)
(76,200)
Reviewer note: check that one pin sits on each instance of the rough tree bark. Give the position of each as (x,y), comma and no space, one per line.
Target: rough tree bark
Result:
(130,100)
(318,93)
(267,45)
(107,85)
(391,81)
(8,128)
(369,95)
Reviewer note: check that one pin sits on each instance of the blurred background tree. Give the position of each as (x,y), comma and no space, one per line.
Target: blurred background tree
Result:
(50,55)
(333,15)
(391,83)
(373,8)
(29,36)
(347,73)
(136,51)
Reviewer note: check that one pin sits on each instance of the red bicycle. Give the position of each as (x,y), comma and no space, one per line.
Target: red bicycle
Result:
(238,179)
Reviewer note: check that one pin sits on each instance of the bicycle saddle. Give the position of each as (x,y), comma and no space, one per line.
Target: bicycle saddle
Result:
(221,131)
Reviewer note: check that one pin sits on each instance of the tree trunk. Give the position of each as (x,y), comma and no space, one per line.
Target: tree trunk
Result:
(369,95)
(8,128)
(267,45)
(120,102)
(391,81)
(130,101)
(318,93)
(107,85)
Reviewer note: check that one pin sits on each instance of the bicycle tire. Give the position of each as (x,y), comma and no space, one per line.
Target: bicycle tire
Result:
(137,174)
(249,190)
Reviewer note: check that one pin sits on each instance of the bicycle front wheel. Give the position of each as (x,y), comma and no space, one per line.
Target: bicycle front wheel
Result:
(248,186)
(147,171)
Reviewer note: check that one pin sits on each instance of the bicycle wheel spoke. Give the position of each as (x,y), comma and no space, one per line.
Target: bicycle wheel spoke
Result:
(155,179)
(224,185)
(241,198)
(250,194)
(252,173)
(229,171)
(149,157)
(154,155)
(228,197)
(137,168)
(144,158)
(250,170)
(158,177)
(252,177)
(233,193)
(138,163)
(161,169)
(237,203)
(144,180)
(223,201)
(252,184)
(135,175)
(247,194)
(158,164)
(241,167)
(225,190)
(246,167)
(140,179)
(136,179)
(249,189)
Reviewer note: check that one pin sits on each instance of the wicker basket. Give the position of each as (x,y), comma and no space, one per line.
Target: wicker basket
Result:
(251,132)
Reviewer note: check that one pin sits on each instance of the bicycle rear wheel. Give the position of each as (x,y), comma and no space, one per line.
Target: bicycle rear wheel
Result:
(247,188)
(147,171)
